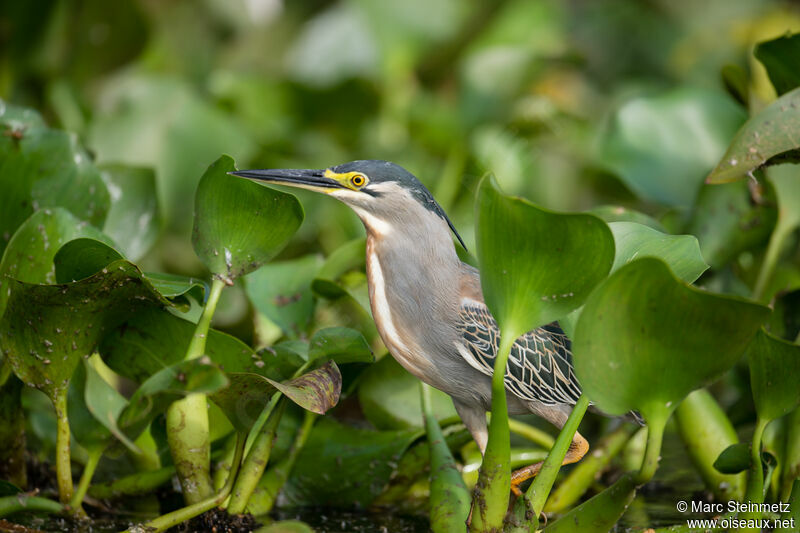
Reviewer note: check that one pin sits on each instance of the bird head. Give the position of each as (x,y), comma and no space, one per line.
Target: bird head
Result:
(384,195)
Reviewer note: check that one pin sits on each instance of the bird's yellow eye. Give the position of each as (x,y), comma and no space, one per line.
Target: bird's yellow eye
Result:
(358,180)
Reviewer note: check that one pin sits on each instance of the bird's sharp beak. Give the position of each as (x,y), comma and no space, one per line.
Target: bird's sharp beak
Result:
(315,180)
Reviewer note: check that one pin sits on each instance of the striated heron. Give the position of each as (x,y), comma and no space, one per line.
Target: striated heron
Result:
(429,308)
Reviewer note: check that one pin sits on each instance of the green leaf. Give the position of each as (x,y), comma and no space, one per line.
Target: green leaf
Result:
(134,218)
(80,258)
(361,461)
(282,292)
(536,265)
(244,399)
(174,285)
(736,83)
(43,168)
(657,339)
(617,213)
(30,252)
(152,339)
(342,345)
(599,513)
(781,58)
(240,225)
(153,397)
(734,459)
(86,428)
(765,139)
(48,328)
(663,146)
(389,397)
(774,367)
(680,252)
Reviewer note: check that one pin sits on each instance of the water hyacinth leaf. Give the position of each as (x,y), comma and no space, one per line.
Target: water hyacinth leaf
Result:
(44,168)
(30,252)
(244,399)
(153,397)
(104,402)
(240,225)
(726,222)
(524,251)
(389,397)
(601,512)
(48,328)
(767,138)
(688,339)
(133,220)
(616,213)
(80,258)
(734,459)
(781,58)
(152,339)
(282,292)
(85,427)
(174,285)
(344,466)
(774,367)
(680,252)
(662,146)
(342,345)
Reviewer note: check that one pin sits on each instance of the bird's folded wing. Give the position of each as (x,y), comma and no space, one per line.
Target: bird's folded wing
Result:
(539,366)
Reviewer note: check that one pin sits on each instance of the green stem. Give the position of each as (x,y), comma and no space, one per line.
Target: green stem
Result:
(187,419)
(776,241)
(86,477)
(63,468)
(755,485)
(139,483)
(25,502)
(174,518)
(533,434)
(652,454)
(490,500)
(255,462)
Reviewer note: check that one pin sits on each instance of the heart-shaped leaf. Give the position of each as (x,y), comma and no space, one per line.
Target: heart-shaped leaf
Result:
(680,252)
(30,252)
(240,225)
(781,58)
(44,168)
(536,265)
(662,146)
(134,218)
(774,367)
(281,291)
(767,138)
(245,397)
(90,427)
(48,328)
(657,339)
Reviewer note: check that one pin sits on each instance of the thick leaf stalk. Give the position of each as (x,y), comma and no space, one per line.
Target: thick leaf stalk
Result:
(63,468)
(755,482)
(256,461)
(95,454)
(706,431)
(652,453)
(490,500)
(450,499)
(187,419)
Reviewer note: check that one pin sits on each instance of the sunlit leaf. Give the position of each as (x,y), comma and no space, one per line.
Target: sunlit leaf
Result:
(767,138)
(781,58)
(774,366)
(240,225)
(643,322)
(663,146)
(680,252)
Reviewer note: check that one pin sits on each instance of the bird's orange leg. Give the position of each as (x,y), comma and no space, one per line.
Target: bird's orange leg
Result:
(577,449)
